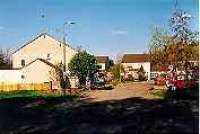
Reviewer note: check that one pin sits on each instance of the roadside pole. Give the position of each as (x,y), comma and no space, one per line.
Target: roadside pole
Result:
(120,77)
(64,54)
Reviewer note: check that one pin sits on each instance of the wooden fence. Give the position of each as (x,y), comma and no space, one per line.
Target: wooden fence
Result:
(25,86)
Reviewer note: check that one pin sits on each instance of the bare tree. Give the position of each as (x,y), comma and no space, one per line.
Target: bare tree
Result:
(59,79)
(5,59)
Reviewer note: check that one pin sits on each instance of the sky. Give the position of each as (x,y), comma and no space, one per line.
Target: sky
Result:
(103,27)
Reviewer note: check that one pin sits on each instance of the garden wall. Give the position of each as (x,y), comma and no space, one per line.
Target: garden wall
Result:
(10,76)
(25,86)
(12,80)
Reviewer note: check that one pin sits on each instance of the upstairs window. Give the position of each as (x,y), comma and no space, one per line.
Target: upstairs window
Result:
(23,62)
(48,56)
(22,76)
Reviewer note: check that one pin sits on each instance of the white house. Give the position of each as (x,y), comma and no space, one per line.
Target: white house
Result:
(135,61)
(103,62)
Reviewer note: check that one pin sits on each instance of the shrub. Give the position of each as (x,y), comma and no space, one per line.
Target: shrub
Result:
(116,71)
(163,75)
(115,82)
(81,64)
(141,74)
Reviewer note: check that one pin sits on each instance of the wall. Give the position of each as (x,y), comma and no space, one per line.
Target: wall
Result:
(24,86)
(146,66)
(10,76)
(37,72)
(40,48)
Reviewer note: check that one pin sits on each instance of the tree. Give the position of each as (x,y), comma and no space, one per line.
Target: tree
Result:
(183,37)
(141,69)
(115,69)
(158,48)
(81,64)
(177,47)
(57,76)
(5,60)
(111,63)
(141,73)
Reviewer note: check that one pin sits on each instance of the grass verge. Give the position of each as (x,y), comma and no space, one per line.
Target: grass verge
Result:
(32,94)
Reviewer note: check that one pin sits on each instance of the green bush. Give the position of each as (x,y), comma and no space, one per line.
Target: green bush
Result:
(163,74)
(115,70)
(115,82)
(80,64)
(141,74)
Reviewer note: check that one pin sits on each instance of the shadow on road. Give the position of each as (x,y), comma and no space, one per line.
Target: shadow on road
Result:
(133,115)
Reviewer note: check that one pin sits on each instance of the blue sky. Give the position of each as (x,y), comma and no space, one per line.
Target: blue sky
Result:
(103,27)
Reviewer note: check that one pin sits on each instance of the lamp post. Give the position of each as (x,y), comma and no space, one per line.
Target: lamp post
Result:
(67,23)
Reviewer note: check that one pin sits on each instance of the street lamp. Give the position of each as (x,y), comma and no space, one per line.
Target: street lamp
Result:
(67,23)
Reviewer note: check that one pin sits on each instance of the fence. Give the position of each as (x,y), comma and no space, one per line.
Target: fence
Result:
(25,86)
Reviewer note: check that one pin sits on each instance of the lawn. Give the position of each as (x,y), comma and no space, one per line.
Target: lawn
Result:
(31,94)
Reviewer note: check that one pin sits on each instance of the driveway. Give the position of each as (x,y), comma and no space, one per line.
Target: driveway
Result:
(123,91)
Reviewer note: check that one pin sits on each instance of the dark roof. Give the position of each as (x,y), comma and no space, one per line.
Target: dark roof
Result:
(102,59)
(134,58)
(42,60)
(38,36)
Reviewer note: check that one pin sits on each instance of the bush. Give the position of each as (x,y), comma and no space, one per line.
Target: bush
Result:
(115,82)
(163,75)
(116,71)
(141,76)
(81,64)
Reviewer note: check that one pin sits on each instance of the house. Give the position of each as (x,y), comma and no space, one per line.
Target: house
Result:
(131,62)
(37,71)
(103,62)
(39,56)
(45,47)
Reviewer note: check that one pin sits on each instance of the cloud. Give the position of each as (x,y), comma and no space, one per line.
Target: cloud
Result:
(119,32)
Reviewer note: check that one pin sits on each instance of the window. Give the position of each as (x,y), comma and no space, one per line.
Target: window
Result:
(99,67)
(48,56)
(22,76)
(22,62)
